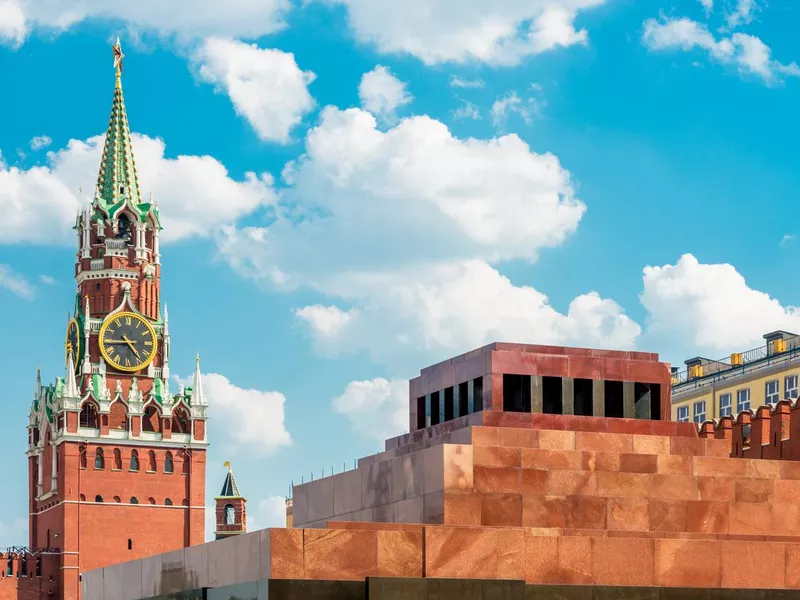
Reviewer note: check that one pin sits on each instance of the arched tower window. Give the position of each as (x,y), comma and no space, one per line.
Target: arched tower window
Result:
(118,419)
(98,498)
(151,461)
(168,466)
(117,459)
(151,500)
(124,227)
(230,515)
(99,463)
(151,421)
(168,502)
(117,499)
(180,421)
(134,500)
(82,453)
(134,460)
(88,416)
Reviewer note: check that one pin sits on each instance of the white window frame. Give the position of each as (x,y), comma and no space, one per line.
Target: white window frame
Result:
(742,404)
(790,388)
(725,410)
(772,397)
(682,414)
(699,411)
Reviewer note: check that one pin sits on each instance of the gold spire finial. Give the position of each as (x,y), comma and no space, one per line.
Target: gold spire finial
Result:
(227,464)
(118,56)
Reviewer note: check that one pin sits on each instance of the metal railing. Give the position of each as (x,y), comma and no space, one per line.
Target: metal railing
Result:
(114,244)
(718,370)
(97,264)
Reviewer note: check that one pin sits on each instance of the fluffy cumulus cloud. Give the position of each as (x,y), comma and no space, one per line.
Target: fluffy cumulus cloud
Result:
(377,409)
(382,93)
(40,203)
(40,141)
(235,18)
(742,13)
(267,512)
(709,308)
(747,53)
(15,283)
(266,86)
(501,32)
(249,419)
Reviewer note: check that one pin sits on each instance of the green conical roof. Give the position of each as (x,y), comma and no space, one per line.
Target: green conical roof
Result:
(117,181)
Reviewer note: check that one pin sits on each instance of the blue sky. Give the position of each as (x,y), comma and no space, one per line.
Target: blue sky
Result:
(354,189)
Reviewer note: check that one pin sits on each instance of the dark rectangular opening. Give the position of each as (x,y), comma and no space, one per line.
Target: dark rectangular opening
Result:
(552,402)
(435,416)
(477,394)
(655,401)
(449,413)
(463,398)
(615,405)
(642,398)
(516,393)
(584,397)
(421,412)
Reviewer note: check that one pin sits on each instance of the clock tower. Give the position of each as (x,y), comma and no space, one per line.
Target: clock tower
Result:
(116,459)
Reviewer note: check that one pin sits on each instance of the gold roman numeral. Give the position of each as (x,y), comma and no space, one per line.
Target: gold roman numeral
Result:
(127,362)
(148,343)
(117,358)
(128,321)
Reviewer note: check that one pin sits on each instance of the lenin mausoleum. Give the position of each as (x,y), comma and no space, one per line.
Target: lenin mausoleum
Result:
(529,472)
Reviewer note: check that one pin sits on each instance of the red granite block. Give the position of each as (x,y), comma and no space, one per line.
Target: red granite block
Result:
(495,456)
(718,448)
(473,553)
(688,563)
(674,465)
(585,367)
(623,485)
(541,559)
(457,466)
(785,519)
(789,469)
(754,490)
(768,558)
(571,483)
(703,516)
(628,514)
(501,510)
(286,553)
(514,437)
(591,424)
(749,518)
(496,479)
(340,553)
(400,554)
(462,507)
(793,566)
(551,365)
(651,444)
(510,553)
(544,421)
(668,516)
(599,461)
(485,436)
(585,512)
(615,369)
(370,526)
(575,560)
(765,469)
(604,442)
(533,481)
(556,440)
(543,511)
(622,561)
(718,489)
(648,372)
(687,446)
(726,467)
(510,420)
(638,463)
(786,491)
(674,487)
(534,458)
(665,428)
(639,427)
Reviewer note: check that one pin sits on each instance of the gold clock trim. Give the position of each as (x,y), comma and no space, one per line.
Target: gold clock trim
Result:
(67,346)
(109,360)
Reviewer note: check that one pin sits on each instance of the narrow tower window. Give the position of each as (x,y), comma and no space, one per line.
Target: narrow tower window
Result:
(167,502)
(151,465)
(134,460)
(99,463)
(98,498)
(168,467)
(130,544)
(88,416)
(117,459)
(230,515)
(134,500)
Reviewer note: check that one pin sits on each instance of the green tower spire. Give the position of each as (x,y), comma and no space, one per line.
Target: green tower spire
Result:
(117,183)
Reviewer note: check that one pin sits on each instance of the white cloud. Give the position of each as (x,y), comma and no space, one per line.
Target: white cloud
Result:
(13,29)
(708,5)
(327,321)
(40,204)
(16,283)
(709,308)
(742,14)
(382,93)
(512,104)
(235,18)
(467,110)
(266,513)
(458,82)
(502,32)
(748,53)
(265,86)
(251,420)
(377,409)
(40,141)
(787,238)
(47,280)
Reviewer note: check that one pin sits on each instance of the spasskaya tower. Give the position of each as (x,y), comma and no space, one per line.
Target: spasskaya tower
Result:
(116,460)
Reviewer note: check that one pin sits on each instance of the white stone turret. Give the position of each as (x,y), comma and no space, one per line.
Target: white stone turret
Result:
(198,396)
(70,384)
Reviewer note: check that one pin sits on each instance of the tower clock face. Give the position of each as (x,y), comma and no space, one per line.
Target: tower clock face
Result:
(127,342)
(73,343)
